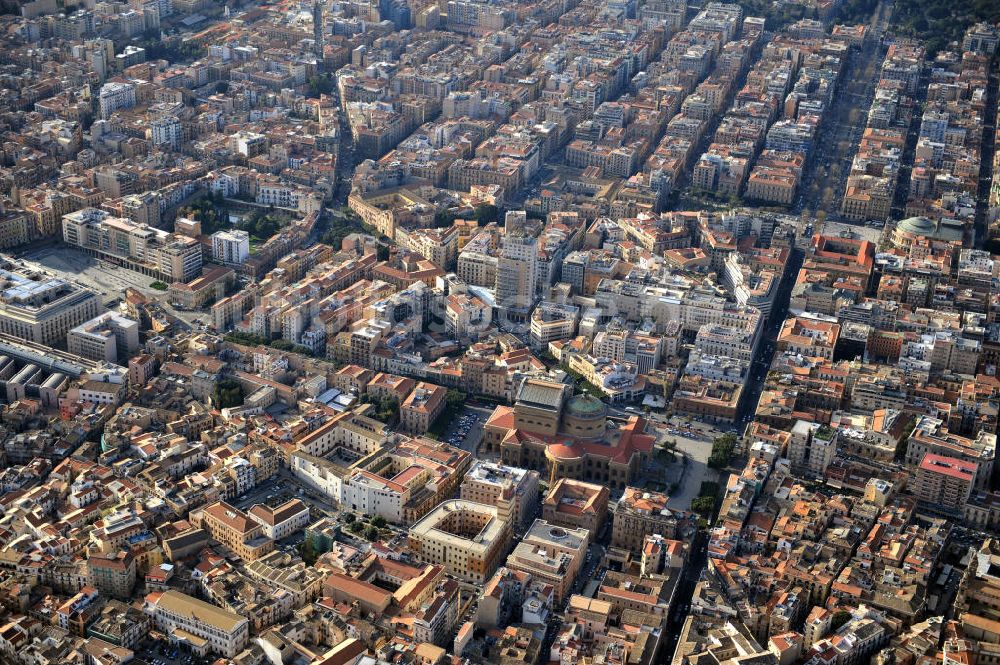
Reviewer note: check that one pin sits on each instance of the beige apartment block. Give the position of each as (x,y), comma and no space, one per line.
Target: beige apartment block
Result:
(467,538)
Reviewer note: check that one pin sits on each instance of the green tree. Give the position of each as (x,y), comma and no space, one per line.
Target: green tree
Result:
(722,451)
(350,518)
(340,228)
(172,50)
(227,393)
(308,552)
(159,286)
(371,533)
(703,505)
(320,85)
(356,527)
(454,400)
(904,440)
(248,339)
(443,219)
(839,619)
(204,211)
(486,213)
(386,410)
(378,522)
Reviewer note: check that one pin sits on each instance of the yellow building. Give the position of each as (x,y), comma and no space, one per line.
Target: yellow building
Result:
(468,539)
(235,530)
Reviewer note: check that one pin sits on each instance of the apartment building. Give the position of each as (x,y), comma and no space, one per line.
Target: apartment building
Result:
(643,351)
(812,336)
(504,172)
(931,435)
(167,132)
(201,626)
(390,386)
(467,316)
(421,408)
(138,247)
(477,268)
(232,528)
(115,95)
(812,447)
(551,322)
(230,247)
(274,192)
(109,337)
(721,169)
(15,228)
(868,196)
(944,482)
(281,521)
(727,341)
(577,505)
(376,127)
(112,573)
(517,272)
(772,185)
(467,538)
(512,491)
(352,379)
(439,246)
(552,554)
(639,514)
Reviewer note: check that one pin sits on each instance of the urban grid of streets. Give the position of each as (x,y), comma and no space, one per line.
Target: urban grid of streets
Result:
(265,349)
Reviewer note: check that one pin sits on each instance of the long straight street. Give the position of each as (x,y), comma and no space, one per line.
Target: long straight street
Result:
(827,171)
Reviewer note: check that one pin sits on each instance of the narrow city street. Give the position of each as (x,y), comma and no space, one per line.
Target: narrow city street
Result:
(682,596)
(909,149)
(986,164)
(827,170)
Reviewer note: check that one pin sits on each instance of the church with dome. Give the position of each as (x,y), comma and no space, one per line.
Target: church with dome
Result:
(568,436)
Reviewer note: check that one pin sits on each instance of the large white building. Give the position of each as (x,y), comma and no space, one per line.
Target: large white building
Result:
(517,269)
(42,310)
(139,247)
(114,96)
(167,131)
(201,626)
(108,336)
(230,247)
(281,521)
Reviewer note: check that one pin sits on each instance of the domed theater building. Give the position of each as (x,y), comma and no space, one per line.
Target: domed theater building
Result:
(568,436)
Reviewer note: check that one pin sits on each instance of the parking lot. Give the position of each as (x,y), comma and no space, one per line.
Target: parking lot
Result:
(693,472)
(164,653)
(466,430)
